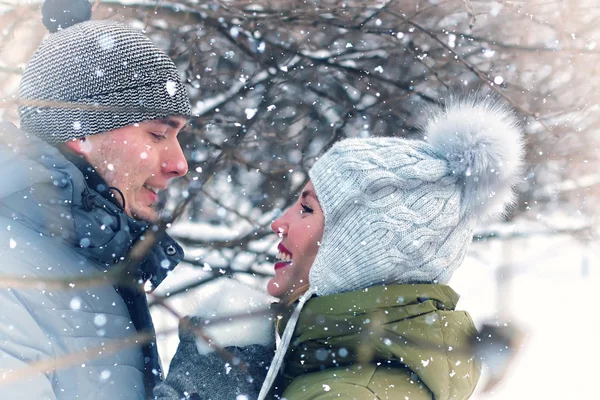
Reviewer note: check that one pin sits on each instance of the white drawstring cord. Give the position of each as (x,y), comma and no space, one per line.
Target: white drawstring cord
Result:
(286,338)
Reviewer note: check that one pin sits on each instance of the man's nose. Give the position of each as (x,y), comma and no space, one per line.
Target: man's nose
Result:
(174,163)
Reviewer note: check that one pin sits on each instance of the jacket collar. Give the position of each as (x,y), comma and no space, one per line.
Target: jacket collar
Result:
(92,178)
(161,258)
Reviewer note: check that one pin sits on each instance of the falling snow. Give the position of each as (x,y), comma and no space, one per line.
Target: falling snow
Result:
(171,88)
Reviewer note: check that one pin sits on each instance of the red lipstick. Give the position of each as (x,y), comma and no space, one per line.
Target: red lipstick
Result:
(281,264)
(283,249)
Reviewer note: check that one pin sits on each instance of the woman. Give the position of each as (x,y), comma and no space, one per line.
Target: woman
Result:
(367,251)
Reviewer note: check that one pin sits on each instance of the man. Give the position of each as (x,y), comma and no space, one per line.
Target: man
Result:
(100,110)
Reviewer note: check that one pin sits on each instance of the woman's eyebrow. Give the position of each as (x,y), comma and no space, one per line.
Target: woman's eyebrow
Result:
(308,193)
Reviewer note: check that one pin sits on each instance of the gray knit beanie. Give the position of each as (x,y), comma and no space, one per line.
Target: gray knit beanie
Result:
(404,211)
(91,77)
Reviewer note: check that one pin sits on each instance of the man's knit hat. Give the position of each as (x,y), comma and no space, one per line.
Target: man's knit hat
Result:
(404,211)
(91,77)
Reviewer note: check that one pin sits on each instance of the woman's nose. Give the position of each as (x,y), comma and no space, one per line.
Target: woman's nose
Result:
(279,226)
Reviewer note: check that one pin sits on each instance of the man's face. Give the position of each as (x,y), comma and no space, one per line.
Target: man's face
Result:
(139,159)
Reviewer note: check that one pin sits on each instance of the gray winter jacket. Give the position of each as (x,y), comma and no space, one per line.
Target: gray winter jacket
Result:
(57,222)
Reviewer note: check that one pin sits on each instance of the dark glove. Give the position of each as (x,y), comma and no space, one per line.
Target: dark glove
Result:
(209,377)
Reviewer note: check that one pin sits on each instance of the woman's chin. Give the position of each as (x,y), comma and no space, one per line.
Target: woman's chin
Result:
(275,289)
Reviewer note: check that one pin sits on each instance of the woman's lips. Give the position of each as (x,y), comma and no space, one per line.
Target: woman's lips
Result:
(285,253)
(283,249)
(281,264)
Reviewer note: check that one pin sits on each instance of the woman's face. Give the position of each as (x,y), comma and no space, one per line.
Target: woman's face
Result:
(301,230)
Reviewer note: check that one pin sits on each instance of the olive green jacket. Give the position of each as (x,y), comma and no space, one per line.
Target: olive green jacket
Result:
(384,342)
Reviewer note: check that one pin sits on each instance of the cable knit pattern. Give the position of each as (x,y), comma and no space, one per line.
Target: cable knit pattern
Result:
(388,205)
(117,75)
(404,211)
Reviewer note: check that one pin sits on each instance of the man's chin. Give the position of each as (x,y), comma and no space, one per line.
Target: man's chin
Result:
(147,214)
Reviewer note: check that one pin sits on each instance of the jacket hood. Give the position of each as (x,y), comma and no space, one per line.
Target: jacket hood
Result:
(46,192)
(412,325)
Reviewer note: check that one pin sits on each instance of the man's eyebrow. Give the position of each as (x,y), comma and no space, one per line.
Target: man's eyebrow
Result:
(172,123)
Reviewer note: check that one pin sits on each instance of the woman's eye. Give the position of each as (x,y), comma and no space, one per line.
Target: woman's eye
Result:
(306,209)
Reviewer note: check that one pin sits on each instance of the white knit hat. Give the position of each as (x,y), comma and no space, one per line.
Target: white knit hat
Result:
(404,211)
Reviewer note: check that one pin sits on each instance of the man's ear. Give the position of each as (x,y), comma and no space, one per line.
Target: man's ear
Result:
(78,146)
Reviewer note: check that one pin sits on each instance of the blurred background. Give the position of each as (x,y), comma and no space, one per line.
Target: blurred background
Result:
(274,83)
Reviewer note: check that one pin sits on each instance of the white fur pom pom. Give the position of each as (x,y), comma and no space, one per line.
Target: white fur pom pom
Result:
(482,141)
